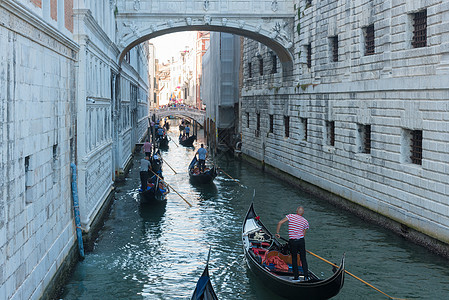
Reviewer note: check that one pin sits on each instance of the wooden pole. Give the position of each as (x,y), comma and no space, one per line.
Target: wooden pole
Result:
(168,165)
(172,188)
(227,174)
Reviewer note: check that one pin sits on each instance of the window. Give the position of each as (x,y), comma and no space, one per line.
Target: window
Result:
(364,138)
(258,125)
(128,57)
(309,56)
(416,147)
(304,128)
(271,123)
(330,131)
(250,73)
(55,164)
(334,47)
(419,29)
(274,67)
(261,66)
(287,126)
(308,3)
(411,146)
(247,119)
(369,40)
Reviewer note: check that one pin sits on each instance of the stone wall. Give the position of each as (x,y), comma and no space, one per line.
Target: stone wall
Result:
(395,91)
(37,79)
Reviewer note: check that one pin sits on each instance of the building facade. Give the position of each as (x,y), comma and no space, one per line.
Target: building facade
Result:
(220,87)
(364,116)
(64,99)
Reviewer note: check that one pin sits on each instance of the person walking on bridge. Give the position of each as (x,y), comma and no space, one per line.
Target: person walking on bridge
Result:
(297,226)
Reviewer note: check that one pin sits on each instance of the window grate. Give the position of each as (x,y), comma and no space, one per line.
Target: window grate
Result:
(250,73)
(334,41)
(309,56)
(271,124)
(369,40)
(420,29)
(274,67)
(261,66)
(416,147)
(247,119)
(330,132)
(367,139)
(304,127)
(287,126)
(258,122)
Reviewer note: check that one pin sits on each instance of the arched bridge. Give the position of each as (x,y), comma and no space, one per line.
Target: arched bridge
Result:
(270,22)
(180,111)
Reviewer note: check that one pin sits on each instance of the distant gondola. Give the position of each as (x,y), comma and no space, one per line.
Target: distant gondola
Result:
(201,177)
(204,289)
(187,142)
(259,245)
(153,194)
(163,142)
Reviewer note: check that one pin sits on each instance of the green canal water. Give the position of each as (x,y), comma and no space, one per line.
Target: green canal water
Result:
(159,252)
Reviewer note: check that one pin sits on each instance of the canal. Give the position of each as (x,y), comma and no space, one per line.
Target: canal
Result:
(159,252)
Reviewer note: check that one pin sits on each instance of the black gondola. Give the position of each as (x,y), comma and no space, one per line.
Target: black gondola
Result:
(259,245)
(153,194)
(163,142)
(201,177)
(204,289)
(187,142)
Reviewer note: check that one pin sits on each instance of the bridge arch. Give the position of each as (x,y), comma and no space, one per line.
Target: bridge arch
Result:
(268,22)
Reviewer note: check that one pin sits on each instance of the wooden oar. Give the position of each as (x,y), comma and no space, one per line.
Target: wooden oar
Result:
(172,188)
(168,165)
(370,285)
(347,272)
(173,141)
(228,175)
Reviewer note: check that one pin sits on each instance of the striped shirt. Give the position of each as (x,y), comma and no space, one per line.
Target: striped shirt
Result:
(296,226)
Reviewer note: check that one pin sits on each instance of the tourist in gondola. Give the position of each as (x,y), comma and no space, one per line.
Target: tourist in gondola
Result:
(202,155)
(147,148)
(160,133)
(297,227)
(145,167)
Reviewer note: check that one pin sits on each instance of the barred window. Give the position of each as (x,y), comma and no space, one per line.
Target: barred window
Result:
(304,128)
(258,125)
(274,67)
(309,56)
(261,66)
(369,40)
(419,29)
(330,128)
(247,119)
(287,126)
(271,123)
(365,138)
(334,45)
(250,70)
(416,147)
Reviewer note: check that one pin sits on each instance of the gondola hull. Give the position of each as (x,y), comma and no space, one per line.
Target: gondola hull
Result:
(188,142)
(163,142)
(201,178)
(204,289)
(281,283)
(151,196)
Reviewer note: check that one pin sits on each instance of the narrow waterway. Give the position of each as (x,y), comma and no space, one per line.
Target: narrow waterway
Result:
(159,252)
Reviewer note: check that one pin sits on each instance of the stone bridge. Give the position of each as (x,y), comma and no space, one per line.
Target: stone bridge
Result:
(181,111)
(270,22)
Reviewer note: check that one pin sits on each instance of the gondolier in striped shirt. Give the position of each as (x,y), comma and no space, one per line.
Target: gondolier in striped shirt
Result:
(297,226)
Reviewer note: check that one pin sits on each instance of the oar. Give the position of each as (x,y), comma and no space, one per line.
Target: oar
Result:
(171,188)
(169,165)
(332,264)
(228,175)
(173,141)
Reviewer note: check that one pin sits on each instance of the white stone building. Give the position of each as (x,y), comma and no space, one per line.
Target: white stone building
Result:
(64,99)
(364,118)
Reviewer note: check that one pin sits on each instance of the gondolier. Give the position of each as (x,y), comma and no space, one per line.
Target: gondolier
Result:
(297,227)
(145,166)
(202,154)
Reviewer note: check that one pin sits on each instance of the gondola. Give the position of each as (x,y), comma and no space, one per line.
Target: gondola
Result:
(204,289)
(188,142)
(153,195)
(163,142)
(202,177)
(259,245)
